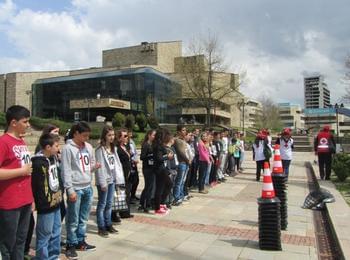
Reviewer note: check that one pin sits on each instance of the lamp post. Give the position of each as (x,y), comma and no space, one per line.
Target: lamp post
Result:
(89,100)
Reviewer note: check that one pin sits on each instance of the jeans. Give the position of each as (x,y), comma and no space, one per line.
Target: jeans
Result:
(77,216)
(203,167)
(48,235)
(104,206)
(178,192)
(146,195)
(13,232)
(207,174)
(285,165)
(222,167)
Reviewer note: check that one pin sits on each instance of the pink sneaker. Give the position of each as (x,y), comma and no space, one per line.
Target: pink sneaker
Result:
(160,211)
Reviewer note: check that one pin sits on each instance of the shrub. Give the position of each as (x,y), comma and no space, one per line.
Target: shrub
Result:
(153,122)
(141,122)
(118,120)
(130,121)
(341,166)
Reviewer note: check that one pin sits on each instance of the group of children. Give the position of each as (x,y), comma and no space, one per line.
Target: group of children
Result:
(171,166)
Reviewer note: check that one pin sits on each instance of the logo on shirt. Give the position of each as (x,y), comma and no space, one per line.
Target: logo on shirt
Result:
(21,152)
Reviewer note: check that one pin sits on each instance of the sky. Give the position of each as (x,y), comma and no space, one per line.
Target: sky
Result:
(276,43)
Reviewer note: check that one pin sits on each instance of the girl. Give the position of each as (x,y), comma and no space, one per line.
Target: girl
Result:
(260,144)
(204,161)
(286,145)
(110,173)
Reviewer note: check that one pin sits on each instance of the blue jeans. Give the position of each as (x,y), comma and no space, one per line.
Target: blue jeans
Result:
(178,192)
(77,216)
(207,174)
(285,165)
(104,206)
(48,235)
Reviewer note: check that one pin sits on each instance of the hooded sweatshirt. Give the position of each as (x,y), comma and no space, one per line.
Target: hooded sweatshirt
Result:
(46,183)
(78,163)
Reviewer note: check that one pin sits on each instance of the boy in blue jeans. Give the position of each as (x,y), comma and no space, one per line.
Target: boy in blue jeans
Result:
(47,196)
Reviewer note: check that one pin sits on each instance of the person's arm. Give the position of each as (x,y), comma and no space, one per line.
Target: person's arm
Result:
(100,172)
(67,171)
(7,174)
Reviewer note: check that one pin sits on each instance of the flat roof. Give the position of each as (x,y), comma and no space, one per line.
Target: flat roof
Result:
(102,74)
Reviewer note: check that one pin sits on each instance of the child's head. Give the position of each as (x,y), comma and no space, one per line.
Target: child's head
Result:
(80,132)
(51,129)
(17,119)
(122,136)
(107,136)
(49,144)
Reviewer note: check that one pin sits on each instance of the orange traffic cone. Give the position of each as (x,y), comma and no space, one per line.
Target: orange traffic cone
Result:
(277,163)
(267,191)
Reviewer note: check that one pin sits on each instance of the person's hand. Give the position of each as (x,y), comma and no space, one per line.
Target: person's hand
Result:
(104,188)
(97,165)
(27,169)
(170,155)
(72,197)
(33,207)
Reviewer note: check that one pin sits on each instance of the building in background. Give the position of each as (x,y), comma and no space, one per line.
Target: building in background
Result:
(252,109)
(316,93)
(133,79)
(291,116)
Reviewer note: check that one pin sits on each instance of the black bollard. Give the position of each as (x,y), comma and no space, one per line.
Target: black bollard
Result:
(280,186)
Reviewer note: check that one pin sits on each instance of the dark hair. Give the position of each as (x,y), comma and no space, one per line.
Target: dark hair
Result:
(16,112)
(48,139)
(104,132)
(48,128)
(163,136)
(119,134)
(79,127)
(149,132)
(179,127)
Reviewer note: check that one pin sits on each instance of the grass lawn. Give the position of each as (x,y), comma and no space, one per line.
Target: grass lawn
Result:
(343,188)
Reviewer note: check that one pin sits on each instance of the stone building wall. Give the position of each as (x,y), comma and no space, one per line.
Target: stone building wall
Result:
(2,92)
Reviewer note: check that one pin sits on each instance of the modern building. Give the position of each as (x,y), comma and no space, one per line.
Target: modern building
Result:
(133,79)
(316,92)
(251,110)
(291,116)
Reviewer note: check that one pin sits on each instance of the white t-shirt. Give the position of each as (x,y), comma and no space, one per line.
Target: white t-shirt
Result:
(286,149)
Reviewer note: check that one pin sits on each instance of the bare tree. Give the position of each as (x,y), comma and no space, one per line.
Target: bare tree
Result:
(203,78)
(270,115)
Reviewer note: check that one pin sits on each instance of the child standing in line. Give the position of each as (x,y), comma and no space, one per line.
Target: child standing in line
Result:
(286,146)
(78,163)
(48,196)
(110,174)
(15,184)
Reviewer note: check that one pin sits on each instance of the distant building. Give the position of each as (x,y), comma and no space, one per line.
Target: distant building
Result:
(250,114)
(291,116)
(316,93)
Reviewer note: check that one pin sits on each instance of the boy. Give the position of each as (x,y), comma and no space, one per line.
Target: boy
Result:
(47,196)
(15,184)
(78,163)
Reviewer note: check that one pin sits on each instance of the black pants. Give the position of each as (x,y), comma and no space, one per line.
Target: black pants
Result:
(203,167)
(29,233)
(163,187)
(13,232)
(134,181)
(325,165)
(193,172)
(146,195)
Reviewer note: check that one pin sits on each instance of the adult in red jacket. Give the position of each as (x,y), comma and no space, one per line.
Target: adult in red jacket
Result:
(324,147)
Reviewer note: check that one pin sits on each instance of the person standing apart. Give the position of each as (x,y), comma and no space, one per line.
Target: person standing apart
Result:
(15,184)
(78,163)
(286,143)
(106,178)
(324,147)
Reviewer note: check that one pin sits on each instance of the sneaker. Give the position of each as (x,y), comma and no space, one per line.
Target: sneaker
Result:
(103,232)
(71,253)
(83,246)
(163,206)
(176,202)
(161,211)
(112,230)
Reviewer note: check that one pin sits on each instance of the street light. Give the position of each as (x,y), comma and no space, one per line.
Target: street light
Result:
(89,101)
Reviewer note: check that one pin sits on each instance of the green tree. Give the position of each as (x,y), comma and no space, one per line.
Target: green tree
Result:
(118,120)
(130,121)
(141,121)
(153,122)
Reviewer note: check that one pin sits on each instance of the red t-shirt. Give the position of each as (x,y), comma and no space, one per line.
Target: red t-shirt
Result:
(16,192)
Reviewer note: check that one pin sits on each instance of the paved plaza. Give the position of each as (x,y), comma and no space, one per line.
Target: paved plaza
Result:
(220,225)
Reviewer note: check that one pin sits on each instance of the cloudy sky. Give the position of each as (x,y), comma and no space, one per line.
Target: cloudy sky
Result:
(276,42)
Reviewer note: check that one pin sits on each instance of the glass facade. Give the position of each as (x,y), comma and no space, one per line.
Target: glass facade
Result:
(146,89)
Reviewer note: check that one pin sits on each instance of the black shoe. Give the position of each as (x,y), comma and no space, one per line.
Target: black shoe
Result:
(176,203)
(112,230)
(127,216)
(135,198)
(168,205)
(116,219)
(71,253)
(103,232)
(83,246)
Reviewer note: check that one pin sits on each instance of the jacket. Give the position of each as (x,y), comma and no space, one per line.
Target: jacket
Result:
(77,166)
(324,143)
(46,183)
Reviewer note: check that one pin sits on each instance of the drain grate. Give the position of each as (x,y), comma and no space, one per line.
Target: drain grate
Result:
(326,240)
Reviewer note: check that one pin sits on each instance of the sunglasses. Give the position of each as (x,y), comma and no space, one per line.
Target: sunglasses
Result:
(125,136)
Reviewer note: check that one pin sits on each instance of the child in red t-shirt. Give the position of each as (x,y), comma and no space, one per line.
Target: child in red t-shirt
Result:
(16,195)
